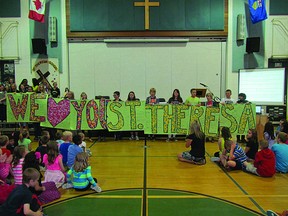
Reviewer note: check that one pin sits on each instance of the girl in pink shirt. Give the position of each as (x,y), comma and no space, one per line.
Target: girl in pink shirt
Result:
(54,165)
(17,163)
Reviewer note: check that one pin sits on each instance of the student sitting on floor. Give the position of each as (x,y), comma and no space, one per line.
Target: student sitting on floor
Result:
(251,144)
(20,201)
(42,149)
(17,163)
(59,138)
(24,140)
(5,158)
(32,160)
(280,150)
(225,135)
(83,144)
(53,164)
(264,164)
(67,137)
(80,177)
(236,156)
(196,140)
(73,150)
(269,134)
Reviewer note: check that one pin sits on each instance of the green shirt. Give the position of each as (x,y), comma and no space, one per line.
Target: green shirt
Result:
(26,142)
(192,101)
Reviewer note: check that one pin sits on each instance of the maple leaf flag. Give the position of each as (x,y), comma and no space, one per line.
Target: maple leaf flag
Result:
(37,10)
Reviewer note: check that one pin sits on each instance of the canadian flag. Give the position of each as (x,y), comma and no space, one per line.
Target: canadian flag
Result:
(37,10)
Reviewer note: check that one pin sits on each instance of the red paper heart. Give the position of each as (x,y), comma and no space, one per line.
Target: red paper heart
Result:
(57,112)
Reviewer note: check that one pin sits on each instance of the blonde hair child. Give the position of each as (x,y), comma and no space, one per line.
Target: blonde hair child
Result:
(80,177)
(196,140)
(67,138)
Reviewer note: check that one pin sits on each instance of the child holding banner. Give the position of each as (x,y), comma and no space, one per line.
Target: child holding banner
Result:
(193,100)
(116,95)
(132,97)
(151,100)
(83,96)
(196,140)
(175,99)
(227,99)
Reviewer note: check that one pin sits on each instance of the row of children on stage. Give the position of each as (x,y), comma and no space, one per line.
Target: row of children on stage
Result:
(272,156)
(57,157)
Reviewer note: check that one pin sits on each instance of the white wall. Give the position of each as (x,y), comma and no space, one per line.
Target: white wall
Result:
(100,68)
(23,65)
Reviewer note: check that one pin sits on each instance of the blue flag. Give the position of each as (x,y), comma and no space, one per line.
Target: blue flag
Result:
(257,10)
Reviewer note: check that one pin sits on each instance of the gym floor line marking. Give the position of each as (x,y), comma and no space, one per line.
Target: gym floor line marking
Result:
(241,189)
(177,196)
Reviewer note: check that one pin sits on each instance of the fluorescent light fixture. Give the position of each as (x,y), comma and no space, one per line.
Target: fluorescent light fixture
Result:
(148,40)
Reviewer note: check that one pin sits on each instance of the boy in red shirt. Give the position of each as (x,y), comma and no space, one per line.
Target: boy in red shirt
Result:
(265,162)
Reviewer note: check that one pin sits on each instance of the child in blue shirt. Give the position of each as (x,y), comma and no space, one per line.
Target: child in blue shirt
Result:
(67,137)
(74,149)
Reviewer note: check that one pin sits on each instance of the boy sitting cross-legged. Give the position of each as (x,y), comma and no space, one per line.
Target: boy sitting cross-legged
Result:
(264,164)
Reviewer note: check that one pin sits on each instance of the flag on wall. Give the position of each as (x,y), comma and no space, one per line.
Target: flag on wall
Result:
(257,10)
(37,10)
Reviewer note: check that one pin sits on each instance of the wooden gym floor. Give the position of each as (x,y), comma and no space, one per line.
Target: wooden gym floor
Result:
(147,179)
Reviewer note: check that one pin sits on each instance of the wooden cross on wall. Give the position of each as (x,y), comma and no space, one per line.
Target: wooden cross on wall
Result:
(43,78)
(147,4)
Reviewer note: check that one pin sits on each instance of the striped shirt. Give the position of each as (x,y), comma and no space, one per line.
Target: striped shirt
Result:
(18,172)
(80,180)
(239,154)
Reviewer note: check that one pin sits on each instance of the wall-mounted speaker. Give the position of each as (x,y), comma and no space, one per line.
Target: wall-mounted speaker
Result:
(240,27)
(52,29)
(252,44)
(39,46)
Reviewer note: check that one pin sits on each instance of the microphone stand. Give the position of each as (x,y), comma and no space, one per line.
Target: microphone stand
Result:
(215,98)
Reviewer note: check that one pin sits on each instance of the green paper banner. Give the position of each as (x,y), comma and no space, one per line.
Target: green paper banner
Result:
(75,114)
(127,116)
(238,117)
(167,119)
(28,107)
